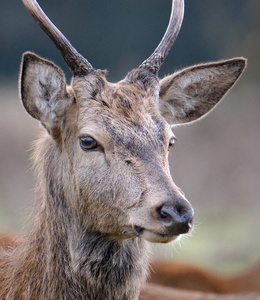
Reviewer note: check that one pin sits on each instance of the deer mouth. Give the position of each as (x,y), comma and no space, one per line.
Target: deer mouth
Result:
(171,226)
(154,237)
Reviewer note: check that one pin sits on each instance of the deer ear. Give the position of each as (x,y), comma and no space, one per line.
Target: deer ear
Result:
(43,90)
(189,94)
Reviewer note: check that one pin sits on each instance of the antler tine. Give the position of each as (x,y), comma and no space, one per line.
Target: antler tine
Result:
(154,62)
(75,61)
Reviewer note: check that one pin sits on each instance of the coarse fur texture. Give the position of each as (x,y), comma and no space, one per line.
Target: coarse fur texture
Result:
(99,207)
(200,86)
(190,279)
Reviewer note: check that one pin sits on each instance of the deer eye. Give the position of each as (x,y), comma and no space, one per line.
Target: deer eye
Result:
(87,143)
(171,143)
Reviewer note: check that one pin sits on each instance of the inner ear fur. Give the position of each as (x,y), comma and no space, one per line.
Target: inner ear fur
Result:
(43,90)
(189,94)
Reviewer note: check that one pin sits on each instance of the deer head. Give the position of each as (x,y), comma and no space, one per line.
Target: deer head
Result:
(107,144)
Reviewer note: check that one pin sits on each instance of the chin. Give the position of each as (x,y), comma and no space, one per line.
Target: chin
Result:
(154,237)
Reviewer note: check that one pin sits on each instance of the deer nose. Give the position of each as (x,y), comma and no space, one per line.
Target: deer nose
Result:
(176,220)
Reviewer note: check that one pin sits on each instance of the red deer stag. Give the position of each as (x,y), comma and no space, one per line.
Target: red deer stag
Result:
(105,188)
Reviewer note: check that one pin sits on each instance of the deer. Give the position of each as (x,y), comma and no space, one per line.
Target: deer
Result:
(104,187)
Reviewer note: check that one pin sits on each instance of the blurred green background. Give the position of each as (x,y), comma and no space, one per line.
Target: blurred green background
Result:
(216,161)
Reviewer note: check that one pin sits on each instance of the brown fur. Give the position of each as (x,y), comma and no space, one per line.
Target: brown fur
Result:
(189,278)
(99,207)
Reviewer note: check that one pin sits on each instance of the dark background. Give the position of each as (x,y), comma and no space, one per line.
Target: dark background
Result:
(216,161)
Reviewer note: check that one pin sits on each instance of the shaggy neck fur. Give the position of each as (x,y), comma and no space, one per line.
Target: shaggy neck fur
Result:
(61,260)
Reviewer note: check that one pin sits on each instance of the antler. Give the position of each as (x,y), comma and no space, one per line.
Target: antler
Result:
(75,61)
(154,62)
(79,65)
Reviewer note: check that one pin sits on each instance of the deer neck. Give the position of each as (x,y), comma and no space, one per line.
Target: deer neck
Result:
(94,265)
(86,265)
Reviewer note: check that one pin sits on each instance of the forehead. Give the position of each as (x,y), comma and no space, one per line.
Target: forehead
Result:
(128,113)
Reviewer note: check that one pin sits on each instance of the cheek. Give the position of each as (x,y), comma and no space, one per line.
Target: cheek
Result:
(93,176)
(131,189)
(115,185)
(105,192)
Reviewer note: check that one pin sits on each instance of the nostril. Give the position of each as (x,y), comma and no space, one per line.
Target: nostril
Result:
(167,216)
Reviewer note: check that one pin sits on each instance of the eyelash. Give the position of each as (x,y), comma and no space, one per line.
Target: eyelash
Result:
(87,143)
